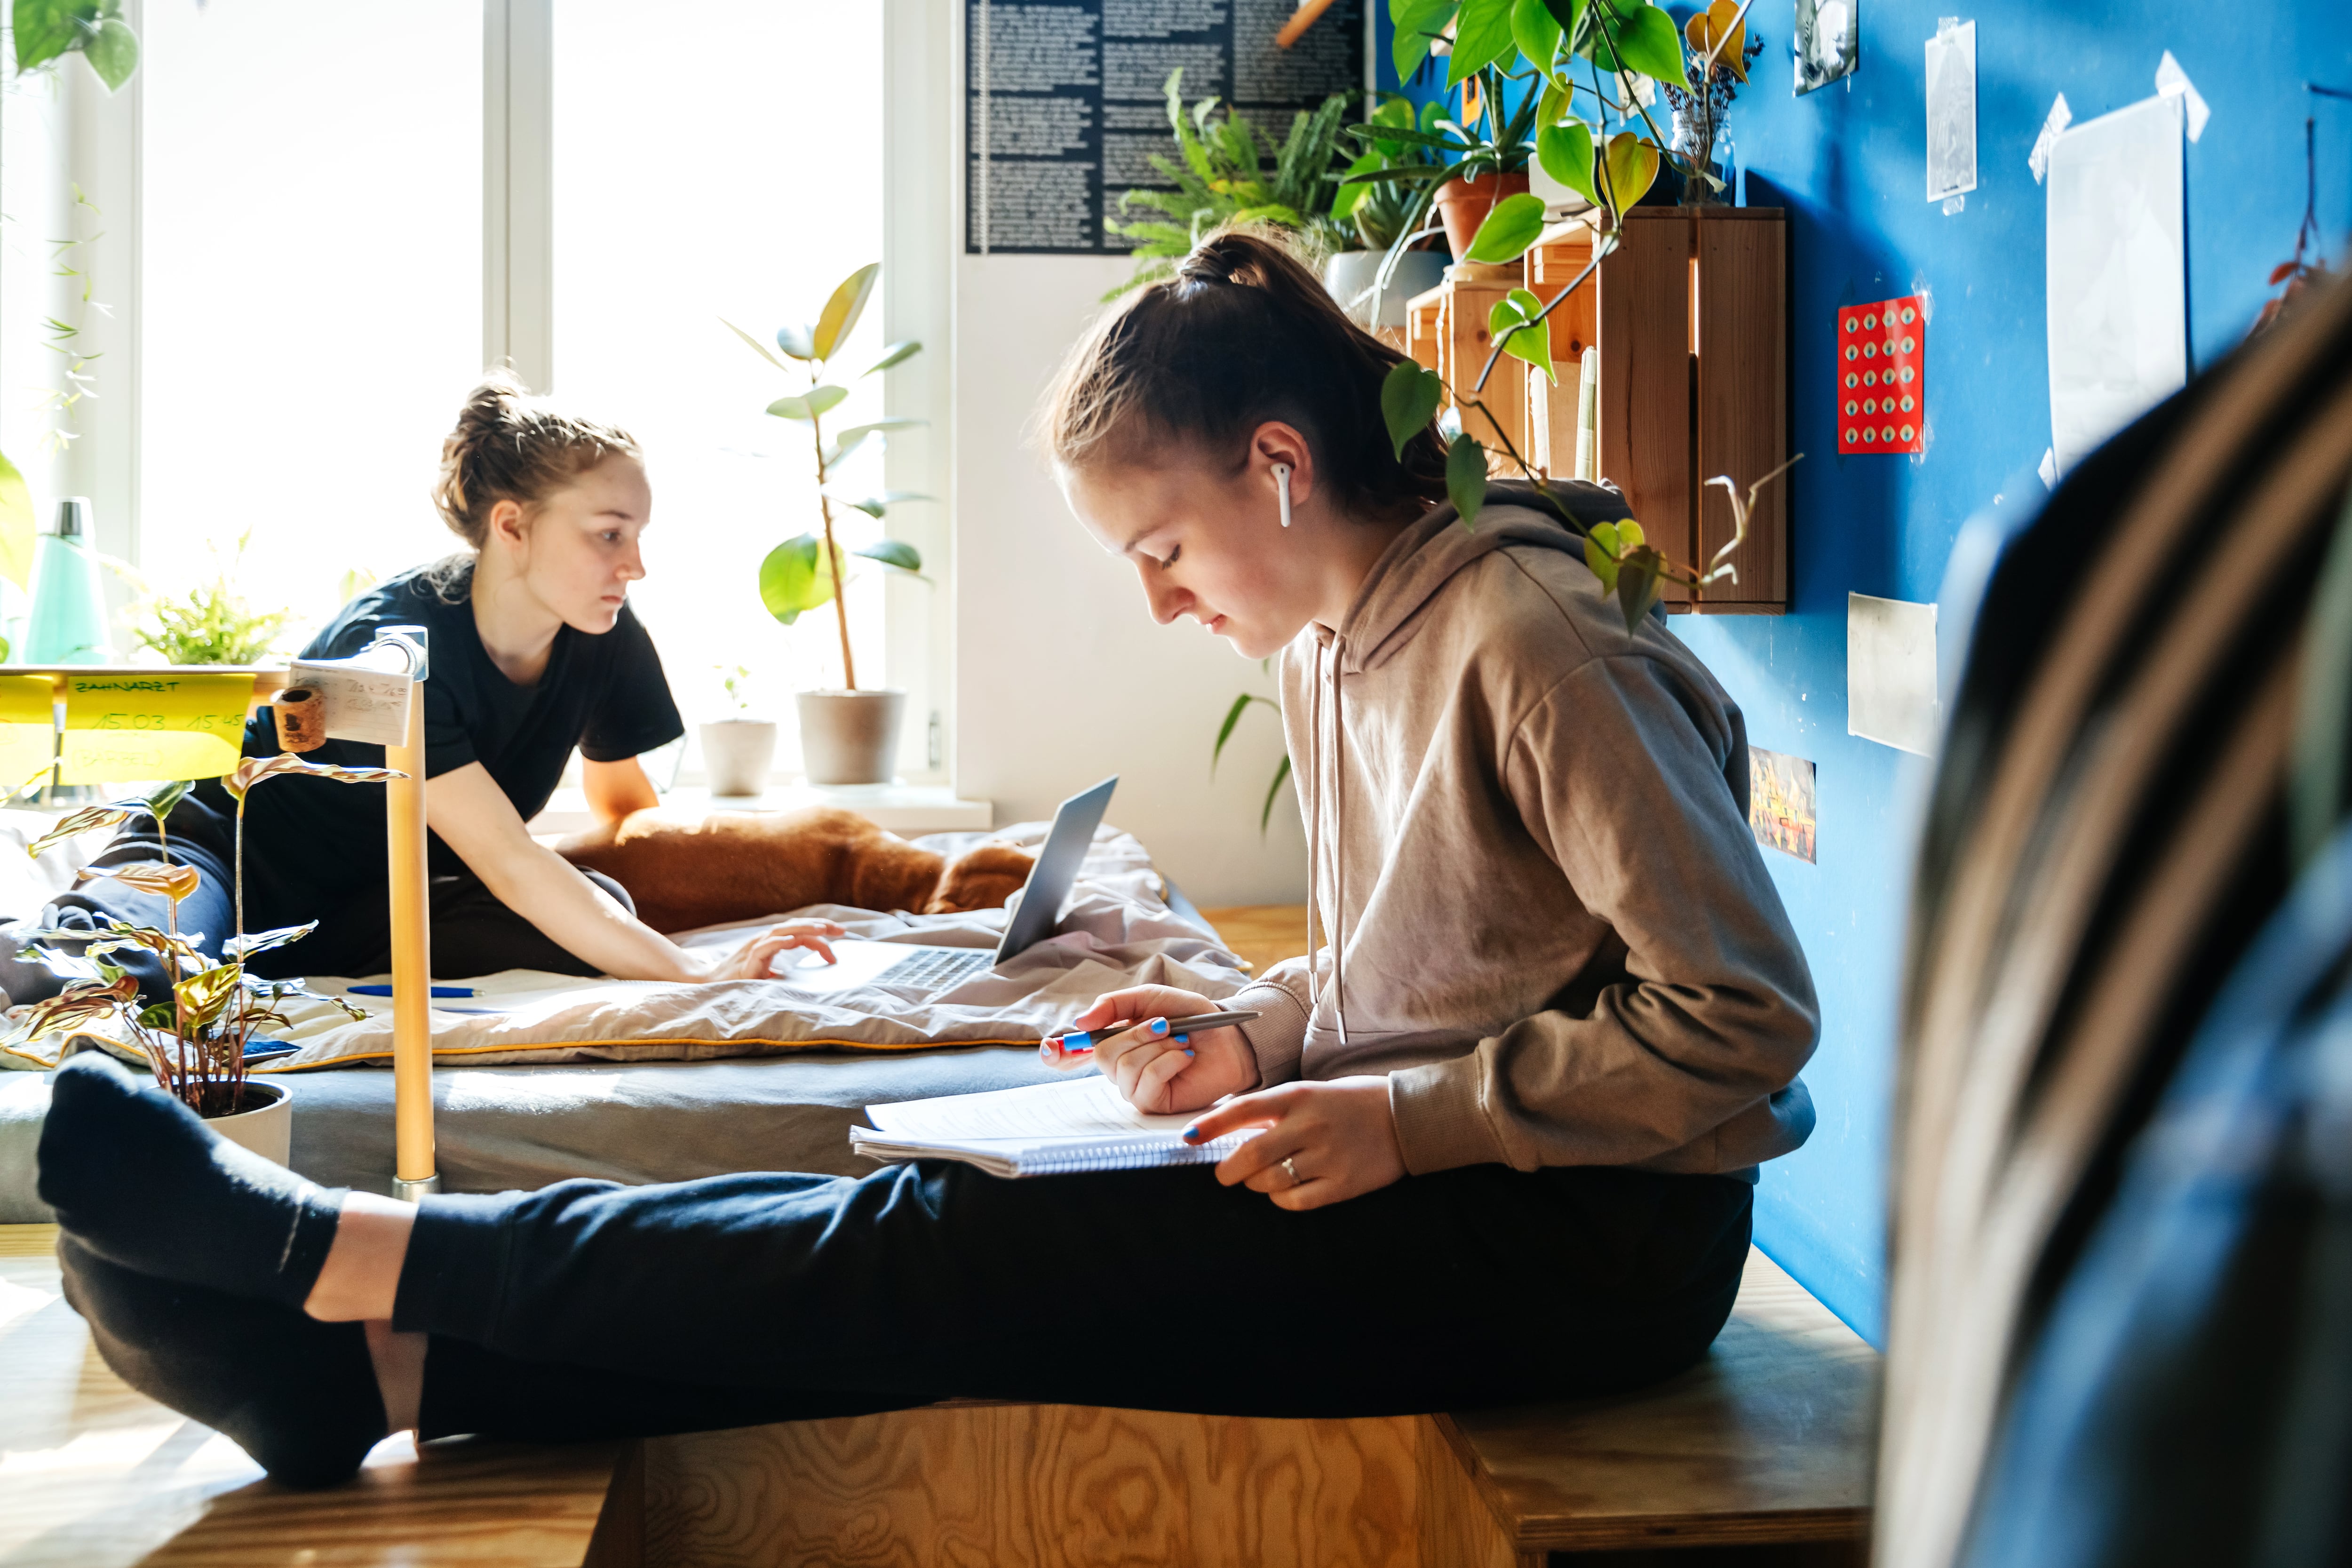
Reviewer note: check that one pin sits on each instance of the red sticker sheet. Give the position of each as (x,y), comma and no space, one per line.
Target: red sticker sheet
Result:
(1882,385)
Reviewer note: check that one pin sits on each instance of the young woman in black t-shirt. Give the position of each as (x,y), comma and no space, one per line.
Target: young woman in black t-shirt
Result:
(532,651)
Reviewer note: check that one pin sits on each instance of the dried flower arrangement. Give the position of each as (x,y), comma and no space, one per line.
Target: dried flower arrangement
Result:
(196,1041)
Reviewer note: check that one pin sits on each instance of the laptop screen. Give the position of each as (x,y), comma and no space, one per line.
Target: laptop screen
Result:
(1049,888)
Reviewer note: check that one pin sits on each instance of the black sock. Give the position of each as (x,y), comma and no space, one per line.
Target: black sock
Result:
(298,1394)
(139,1179)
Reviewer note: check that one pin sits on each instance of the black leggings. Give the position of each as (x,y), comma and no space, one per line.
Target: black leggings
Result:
(747,1299)
(473,932)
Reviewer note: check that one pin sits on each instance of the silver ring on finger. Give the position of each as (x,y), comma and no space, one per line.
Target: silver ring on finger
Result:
(1291,1171)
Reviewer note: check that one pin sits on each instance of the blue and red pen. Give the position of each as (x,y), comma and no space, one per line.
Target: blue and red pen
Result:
(1078,1043)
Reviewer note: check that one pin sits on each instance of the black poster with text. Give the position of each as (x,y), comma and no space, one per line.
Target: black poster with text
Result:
(1065,101)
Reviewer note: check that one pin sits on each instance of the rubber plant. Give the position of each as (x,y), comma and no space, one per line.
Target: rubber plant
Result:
(46,32)
(807,570)
(196,1042)
(1557,55)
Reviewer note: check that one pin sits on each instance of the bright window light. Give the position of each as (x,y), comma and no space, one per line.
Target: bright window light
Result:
(310,291)
(736,174)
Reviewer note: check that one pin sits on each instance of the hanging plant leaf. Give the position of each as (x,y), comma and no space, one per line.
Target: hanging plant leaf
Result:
(1536,33)
(839,317)
(1531,343)
(1466,478)
(1632,168)
(1569,14)
(1647,39)
(1418,24)
(1514,224)
(1720,31)
(1566,154)
(1481,35)
(112,52)
(1409,396)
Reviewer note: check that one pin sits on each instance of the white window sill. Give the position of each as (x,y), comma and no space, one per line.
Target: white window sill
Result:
(903,809)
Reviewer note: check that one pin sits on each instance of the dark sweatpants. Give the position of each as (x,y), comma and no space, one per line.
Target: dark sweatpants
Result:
(782,1296)
(473,932)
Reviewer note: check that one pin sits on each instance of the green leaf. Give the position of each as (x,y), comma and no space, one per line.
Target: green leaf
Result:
(1536,33)
(165,796)
(1481,35)
(1566,154)
(1465,477)
(839,317)
(757,346)
(1647,39)
(1603,563)
(1409,398)
(1265,815)
(875,505)
(1569,14)
(893,552)
(1417,21)
(112,52)
(1232,716)
(1514,224)
(1531,343)
(904,349)
(1630,537)
(791,581)
(18,527)
(1631,165)
(798,343)
(45,30)
(849,440)
(1637,590)
(816,400)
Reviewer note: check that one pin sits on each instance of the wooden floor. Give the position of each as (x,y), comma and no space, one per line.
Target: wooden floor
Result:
(1264,934)
(93,1474)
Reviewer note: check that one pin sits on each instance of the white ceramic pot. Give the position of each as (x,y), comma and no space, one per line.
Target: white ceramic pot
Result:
(736,755)
(1352,272)
(266,1125)
(850,737)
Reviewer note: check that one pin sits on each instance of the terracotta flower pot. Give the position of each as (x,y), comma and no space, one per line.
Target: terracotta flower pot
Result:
(1463,205)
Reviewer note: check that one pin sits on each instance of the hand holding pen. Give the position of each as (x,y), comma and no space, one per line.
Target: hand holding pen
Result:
(1166,1049)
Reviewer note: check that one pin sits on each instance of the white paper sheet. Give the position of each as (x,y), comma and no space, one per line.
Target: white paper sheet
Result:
(1952,112)
(1890,673)
(2053,125)
(2173,82)
(1075,1108)
(2117,282)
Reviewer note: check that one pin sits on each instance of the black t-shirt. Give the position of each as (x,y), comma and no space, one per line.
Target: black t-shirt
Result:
(313,844)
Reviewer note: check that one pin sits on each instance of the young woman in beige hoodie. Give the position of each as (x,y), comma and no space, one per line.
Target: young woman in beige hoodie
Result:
(1510,1111)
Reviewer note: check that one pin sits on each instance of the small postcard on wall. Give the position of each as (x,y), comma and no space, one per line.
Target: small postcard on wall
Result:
(1828,42)
(1952,112)
(1780,801)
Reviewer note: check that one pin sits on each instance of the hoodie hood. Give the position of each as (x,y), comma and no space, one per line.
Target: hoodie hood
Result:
(1426,556)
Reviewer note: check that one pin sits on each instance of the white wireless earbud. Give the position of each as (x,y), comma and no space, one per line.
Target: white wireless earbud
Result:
(1282,489)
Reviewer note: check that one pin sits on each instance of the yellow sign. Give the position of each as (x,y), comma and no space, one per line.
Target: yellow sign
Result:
(29,729)
(122,727)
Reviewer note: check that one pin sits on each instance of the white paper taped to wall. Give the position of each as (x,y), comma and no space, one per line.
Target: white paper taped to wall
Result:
(2053,125)
(2171,81)
(363,702)
(1951,110)
(1890,673)
(2118,281)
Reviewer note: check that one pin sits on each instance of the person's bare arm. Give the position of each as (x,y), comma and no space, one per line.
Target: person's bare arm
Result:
(475,817)
(616,789)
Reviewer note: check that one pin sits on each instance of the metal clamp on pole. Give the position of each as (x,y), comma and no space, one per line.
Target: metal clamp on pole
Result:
(415,1173)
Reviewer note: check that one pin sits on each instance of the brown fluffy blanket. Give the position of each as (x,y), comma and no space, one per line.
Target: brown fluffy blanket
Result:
(687,871)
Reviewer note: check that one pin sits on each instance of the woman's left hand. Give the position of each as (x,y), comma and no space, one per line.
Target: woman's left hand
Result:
(756,958)
(1338,1135)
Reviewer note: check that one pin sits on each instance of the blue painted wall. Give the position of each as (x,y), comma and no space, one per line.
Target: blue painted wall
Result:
(1849,163)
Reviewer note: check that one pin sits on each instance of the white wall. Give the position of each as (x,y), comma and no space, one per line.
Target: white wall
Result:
(1061,676)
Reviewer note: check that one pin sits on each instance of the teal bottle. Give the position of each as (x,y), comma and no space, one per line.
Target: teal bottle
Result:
(68,624)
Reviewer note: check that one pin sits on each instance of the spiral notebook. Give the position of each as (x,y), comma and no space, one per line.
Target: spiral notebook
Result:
(1041,1129)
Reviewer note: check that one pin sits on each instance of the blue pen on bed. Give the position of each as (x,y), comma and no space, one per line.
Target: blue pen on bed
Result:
(437,991)
(1079,1043)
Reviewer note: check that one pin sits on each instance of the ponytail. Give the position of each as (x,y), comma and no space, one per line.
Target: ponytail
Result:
(1241,334)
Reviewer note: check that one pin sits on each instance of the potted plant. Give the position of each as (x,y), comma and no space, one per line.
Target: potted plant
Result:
(194,1043)
(212,623)
(1373,283)
(848,736)
(737,750)
(1220,176)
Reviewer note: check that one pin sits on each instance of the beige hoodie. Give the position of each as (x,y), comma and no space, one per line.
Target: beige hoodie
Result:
(1541,912)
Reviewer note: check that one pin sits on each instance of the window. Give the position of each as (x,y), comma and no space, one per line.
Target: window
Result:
(741,178)
(310,288)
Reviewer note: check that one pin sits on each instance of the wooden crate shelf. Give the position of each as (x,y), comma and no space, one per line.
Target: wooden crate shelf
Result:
(1690,317)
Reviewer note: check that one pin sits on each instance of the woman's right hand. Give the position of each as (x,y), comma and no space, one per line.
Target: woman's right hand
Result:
(1164,1072)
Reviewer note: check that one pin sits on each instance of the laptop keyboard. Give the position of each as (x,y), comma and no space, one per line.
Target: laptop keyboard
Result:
(939,971)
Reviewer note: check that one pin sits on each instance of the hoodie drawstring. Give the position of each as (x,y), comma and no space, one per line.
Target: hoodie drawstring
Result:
(1335,927)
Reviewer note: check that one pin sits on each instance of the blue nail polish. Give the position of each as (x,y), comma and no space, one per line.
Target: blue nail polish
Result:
(1159,1026)
(1191,1135)
(1180,1040)
(1188,1053)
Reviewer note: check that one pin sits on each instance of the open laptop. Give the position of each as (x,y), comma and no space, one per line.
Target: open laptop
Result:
(902,964)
